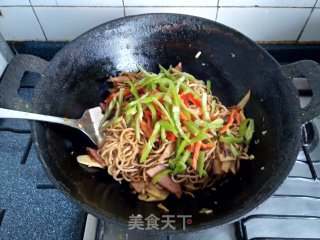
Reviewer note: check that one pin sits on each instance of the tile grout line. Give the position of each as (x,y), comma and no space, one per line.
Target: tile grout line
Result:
(124,9)
(218,7)
(34,12)
(306,22)
(144,6)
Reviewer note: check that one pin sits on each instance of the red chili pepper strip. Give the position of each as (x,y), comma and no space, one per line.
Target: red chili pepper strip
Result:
(196,155)
(229,123)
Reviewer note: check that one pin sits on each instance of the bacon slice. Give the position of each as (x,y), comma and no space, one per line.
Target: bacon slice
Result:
(167,152)
(94,155)
(165,181)
(139,187)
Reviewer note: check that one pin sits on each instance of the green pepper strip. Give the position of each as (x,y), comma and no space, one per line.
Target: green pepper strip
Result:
(179,82)
(218,123)
(205,112)
(243,127)
(192,127)
(143,71)
(213,107)
(167,99)
(201,136)
(176,118)
(189,76)
(159,175)
(150,142)
(189,90)
(131,111)
(234,151)
(249,133)
(173,162)
(137,101)
(231,139)
(133,89)
(119,103)
(167,73)
(146,81)
(164,111)
(139,116)
(108,111)
(149,87)
(208,86)
(112,122)
(246,130)
(204,173)
(138,120)
(163,135)
(178,142)
(184,143)
(167,126)
(191,112)
(179,168)
(153,112)
(200,164)
(152,97)
(176,112)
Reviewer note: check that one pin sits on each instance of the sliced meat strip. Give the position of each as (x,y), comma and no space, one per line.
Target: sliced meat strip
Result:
(167,152)
(94,155)
(165,181)
(139,187)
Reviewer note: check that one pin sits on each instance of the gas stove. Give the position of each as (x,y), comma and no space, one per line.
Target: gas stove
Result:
(32,208)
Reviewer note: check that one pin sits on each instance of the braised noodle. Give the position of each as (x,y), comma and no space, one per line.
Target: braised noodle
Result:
(176,159)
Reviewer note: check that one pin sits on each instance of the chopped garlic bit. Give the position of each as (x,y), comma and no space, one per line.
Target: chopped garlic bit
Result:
(79,125)
(233,55)
(257,141)
(264,132)
(198,54)
(203,64)
(161,206)
(86,160)
(205,211)
(213,189)
(262,168)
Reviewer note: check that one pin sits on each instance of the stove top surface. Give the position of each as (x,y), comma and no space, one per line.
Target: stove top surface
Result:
(31,207)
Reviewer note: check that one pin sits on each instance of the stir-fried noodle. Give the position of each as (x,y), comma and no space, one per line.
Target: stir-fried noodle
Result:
(166,133)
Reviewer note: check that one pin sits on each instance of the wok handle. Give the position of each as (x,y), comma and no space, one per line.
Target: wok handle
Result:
(10,83)
(311,71)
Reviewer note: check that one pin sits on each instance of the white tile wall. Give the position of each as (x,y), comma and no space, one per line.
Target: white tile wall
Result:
(312,29)
(261,20)
(265,24)
(209,12)
(268,3)
(14,3)
(66,23)
(162,3)
(114,3)
(19,23)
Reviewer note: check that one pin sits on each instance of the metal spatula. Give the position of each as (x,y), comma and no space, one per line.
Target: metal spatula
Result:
(88,123)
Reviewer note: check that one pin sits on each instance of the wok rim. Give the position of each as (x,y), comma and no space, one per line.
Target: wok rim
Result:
(235,216)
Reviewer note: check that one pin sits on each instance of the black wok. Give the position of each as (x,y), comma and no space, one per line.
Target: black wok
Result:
(75,80)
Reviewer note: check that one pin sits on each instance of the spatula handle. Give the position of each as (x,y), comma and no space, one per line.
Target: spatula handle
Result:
(7,113)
